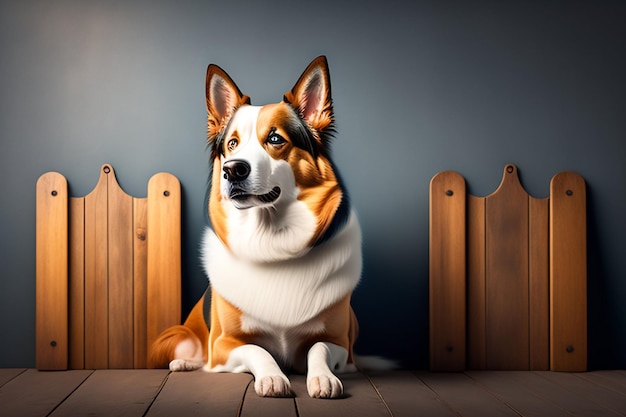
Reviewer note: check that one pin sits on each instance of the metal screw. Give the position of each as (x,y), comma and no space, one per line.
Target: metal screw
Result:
(569,193)
(53,343)
(54,193)
(449,193)
(166,193)
(569,349)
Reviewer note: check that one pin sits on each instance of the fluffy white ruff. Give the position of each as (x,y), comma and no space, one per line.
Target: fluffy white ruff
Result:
(290,292)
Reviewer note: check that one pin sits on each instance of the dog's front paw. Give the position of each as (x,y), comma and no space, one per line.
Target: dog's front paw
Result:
(273,386)
(324,386)
(180,365)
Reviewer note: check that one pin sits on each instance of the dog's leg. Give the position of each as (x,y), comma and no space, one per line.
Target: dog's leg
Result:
(320,380)
(269,380)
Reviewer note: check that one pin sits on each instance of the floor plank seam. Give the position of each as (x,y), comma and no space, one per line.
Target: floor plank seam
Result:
(379,394)
(70,393)
(243,398)
(14,376)
(156,395)
(438,397)
(495,396)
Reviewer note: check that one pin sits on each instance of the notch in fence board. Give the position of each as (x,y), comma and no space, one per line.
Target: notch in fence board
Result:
(447,272)
(51,318)
(568,273)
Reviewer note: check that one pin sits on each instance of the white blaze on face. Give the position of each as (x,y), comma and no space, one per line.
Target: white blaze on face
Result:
(264,233)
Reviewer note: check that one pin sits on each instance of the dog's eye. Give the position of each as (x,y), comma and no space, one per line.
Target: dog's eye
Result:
(232,144)
(275,139)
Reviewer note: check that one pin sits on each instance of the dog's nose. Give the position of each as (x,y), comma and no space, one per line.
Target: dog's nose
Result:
(236,170)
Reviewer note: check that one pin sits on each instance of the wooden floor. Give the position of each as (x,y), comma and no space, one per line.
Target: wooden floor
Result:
(28,392)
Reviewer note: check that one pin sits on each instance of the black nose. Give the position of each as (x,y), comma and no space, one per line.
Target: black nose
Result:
(236,170)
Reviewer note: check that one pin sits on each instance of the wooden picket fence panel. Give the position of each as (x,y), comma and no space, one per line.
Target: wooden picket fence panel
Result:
(508,275)
(108,271)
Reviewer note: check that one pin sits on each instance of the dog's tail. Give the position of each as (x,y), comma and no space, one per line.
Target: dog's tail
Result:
(191,339)
(163,350)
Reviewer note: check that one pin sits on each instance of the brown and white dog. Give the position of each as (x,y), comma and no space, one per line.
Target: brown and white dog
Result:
(284,252)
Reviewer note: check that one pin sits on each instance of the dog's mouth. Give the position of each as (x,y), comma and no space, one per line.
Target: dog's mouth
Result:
(242,199)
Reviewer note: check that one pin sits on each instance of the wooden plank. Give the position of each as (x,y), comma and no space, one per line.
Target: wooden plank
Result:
(516,394)
(447,272)
(476,303)
(120,393)
(164,256)
(96,275)
(35,393)
(199,393)
(77,284)
(568,273)
(360,399)
(120,254)
(52,272)
(255,406)
(559,395)
(406,395)
(7,374)
(583,388)
(539,284)
(464,396)
(506,229)
(140,264)
(613,379)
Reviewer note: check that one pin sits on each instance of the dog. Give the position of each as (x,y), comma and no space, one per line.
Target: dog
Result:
(283,254)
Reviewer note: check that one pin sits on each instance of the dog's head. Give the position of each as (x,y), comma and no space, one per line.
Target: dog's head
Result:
(273,181)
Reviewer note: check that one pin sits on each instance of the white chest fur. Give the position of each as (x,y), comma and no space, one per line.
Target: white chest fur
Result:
(287,293)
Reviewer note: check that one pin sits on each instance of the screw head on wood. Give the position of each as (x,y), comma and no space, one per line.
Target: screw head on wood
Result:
(166,193)
(509,169)
(449,193)
(569,349)
(53,343)
(54,193)
(107,169)
(449,349)
(569,193)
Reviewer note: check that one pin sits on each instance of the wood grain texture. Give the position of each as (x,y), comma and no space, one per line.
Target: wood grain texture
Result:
(447,272)
(568,273)
(77,283)
(506,230)
(97,274)
(164,255)
(121,285)
(539,284)
(140,264)
(52,272)
(476,291)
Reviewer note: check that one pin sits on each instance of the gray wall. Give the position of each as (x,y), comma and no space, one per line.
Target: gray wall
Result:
(419,87)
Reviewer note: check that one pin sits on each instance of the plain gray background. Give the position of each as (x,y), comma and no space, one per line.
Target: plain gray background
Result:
(419,87)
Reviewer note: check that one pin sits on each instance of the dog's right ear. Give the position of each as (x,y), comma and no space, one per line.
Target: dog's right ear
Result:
(222,99)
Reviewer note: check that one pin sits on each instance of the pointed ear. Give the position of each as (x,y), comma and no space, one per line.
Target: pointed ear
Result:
(222,98)
(311,95)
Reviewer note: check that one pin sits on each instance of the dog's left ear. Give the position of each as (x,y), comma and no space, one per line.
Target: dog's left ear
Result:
(311,95)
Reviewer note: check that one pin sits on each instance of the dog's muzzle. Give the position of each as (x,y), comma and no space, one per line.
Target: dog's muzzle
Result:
(236,171)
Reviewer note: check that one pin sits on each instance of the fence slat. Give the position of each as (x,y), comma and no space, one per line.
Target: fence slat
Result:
(140,254)
(77,283)
(476,291)
(120,235)
(52,272)
(538,285)
(568,273)
(447,272)
(506,219)
(96,275)
(164,256)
